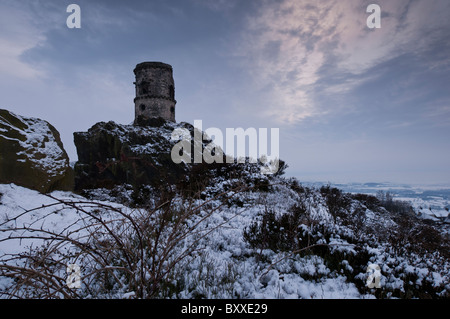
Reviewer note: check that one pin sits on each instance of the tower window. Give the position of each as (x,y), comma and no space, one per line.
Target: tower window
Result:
(143,88)
(171,91)
(172,109)
(142,107)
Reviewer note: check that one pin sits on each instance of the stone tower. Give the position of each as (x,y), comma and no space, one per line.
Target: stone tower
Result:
(155,91)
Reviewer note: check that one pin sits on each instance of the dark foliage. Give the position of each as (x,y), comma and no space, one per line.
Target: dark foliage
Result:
(337,202)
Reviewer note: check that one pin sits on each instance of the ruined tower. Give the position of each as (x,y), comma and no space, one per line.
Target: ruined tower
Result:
(155,91)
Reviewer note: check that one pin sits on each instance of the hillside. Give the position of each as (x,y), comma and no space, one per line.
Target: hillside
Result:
(139,225)
(277,239)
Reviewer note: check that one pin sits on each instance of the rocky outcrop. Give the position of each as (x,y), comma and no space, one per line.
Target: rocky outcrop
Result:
(112,154)
(32,154)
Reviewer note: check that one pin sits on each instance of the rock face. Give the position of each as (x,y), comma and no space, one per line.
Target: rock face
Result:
(32,154)
(111,154)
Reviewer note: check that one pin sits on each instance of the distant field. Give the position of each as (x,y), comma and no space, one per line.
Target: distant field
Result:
(429,201)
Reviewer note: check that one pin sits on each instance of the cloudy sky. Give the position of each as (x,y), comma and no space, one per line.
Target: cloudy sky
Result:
(352,104)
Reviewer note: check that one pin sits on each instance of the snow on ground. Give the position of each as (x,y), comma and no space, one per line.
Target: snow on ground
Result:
(430,208)
(228,258)
(48,214)
(223,249)
(225,265)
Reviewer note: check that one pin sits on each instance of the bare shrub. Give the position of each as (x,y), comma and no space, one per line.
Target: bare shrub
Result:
(121,252)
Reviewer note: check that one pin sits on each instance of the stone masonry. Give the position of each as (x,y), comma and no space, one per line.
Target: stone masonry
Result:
(155,91)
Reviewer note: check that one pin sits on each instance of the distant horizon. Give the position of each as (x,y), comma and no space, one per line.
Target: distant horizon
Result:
(444,186)
(316,178)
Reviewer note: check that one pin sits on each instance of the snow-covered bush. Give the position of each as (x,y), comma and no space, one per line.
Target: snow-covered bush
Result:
(228,240)
(121,251)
